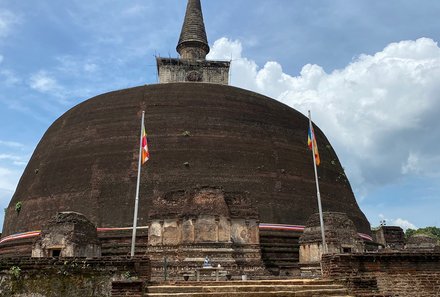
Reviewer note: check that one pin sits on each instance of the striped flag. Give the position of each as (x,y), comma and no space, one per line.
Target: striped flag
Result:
(311,141)
(145,152)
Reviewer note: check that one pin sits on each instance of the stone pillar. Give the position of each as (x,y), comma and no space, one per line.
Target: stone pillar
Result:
(188,231)
(217,229)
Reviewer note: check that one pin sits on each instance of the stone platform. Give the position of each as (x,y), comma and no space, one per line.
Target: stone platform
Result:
(262,288)
(236,260)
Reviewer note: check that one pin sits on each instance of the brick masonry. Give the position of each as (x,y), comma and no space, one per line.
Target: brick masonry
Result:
(386,274)
(53,277)
(128,288)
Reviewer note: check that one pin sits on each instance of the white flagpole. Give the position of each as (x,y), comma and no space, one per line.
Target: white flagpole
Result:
(321,219)
(135,217)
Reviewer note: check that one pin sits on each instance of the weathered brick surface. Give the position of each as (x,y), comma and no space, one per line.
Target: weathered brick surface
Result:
(52,277)
(226,124)
(127,288)
(390,274)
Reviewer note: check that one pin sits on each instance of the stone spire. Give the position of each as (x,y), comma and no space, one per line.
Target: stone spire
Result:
(193,44)
(193,47)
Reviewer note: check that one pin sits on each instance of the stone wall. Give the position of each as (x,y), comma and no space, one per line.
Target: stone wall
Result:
(204,229)
(50,277)
(118,243)
(177,70)
(113,244)
(387,274)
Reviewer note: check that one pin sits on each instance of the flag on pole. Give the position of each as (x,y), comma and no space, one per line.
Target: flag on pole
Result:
(311,141)
(145,152)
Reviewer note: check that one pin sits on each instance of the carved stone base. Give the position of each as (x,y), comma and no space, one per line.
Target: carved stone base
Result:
(236,260)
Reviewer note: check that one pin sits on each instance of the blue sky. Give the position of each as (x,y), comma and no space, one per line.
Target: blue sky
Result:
(368,70)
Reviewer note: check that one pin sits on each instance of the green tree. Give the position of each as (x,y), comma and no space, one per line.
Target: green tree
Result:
(430,231)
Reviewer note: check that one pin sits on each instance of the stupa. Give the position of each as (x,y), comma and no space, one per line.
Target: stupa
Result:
(228,166)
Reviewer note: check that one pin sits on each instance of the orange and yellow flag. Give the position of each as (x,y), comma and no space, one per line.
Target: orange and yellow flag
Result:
(311,141)
(145,152)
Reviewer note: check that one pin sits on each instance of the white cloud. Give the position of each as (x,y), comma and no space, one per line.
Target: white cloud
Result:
(8,78)
(43,82)
(90,67)
(377,111)
(7,19)
(136,9)
(412,164)
(404,224)
(8,179)
(11,144)
(74,66)
(9,157)
(46,83)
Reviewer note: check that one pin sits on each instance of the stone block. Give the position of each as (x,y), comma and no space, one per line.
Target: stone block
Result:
(254,232)
(224,230)
(171,232)
(206,229)
(155,233)
(188,234)
(310,253)
(239,232)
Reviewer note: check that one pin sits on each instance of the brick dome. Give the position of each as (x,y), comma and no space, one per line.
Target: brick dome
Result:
(199,135)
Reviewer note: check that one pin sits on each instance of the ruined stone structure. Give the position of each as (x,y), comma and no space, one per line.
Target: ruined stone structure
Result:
(203,222)
(73,277)
(224,162)
(390,237)
(68,234)
(422,243)
(340,234)
(203,215)
(386,274)
(230,178)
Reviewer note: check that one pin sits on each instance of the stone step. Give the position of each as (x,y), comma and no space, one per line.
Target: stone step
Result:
(279,248)
(274,282)
(286,259)
(241,288)
(281,258)
(257,288)
(276,262)
(305,293)
(279,241)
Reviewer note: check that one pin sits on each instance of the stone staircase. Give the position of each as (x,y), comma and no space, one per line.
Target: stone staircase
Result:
(280,252)
(262,288)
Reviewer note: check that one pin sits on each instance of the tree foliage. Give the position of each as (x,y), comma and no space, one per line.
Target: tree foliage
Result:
(430,231)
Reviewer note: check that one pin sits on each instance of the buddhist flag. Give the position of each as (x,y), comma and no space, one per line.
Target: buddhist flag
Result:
(145,152)
(311,141)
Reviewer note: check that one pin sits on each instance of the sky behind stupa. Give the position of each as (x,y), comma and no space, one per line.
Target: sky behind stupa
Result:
(368,70)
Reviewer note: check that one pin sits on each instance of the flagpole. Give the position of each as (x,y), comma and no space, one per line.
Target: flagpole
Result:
(136,204)
(321,219)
